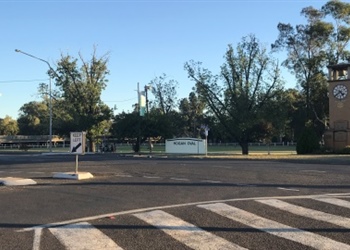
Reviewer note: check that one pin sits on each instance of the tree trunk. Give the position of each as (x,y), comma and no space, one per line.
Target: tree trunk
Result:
(91,146)
(245,149)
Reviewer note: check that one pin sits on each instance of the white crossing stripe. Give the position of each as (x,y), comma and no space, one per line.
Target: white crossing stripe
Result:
(334,201)
(185,232)
(81,236)
(307,212)
(275,228)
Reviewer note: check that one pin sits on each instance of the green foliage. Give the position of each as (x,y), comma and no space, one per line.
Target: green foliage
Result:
(308,143)
(240,95)
(165,94)
(345,150)
(191,110)
(310,47)
(80,87)
(34,119)
(8,126)
(24,147)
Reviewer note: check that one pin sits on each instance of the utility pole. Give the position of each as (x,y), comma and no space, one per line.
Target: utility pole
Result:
(50,94)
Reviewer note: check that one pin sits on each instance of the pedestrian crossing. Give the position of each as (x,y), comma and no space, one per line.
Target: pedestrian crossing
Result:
(243,223)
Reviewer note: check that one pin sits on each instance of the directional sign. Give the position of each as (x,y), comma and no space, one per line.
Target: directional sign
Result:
(77,142)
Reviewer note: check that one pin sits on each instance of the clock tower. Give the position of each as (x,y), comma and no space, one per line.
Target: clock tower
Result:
(337,135)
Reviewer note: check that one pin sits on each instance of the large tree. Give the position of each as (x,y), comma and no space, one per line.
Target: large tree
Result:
(310,47)
(248,81)
(191,109)
(80,87)
(34,119)
(165,94)
(8,126)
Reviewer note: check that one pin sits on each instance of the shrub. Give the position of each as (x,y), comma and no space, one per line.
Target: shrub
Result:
(24,147)
(308,143)
(345,150)
(136,147)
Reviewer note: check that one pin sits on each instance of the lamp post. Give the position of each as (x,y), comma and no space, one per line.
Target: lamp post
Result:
(50,96)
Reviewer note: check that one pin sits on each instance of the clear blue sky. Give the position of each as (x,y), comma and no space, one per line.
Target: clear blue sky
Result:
(145,39)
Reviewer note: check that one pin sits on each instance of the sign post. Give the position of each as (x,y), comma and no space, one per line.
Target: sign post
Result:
(77,146)
(206,132)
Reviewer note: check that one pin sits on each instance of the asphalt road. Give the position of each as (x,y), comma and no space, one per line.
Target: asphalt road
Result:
(119,201)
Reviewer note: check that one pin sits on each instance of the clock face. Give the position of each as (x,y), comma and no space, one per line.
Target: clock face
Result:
(340,91)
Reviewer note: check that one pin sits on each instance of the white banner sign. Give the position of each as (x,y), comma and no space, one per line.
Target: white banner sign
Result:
(185,146)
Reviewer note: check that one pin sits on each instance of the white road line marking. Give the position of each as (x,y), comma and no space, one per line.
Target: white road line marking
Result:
(307,212)
(188,234)
(179,179)
(275,228)
(151,177)
(37,238)
(123,175)
(83,236)
(334,201)
(289,189)
(140,210)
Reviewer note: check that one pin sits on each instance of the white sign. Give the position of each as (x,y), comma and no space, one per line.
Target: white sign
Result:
(77,142)
(185,146)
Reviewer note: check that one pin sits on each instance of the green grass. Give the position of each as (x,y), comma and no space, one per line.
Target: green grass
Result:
(222,149)
(263,152)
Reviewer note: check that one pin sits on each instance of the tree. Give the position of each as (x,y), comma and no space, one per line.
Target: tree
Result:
(165,95)
(249,80)
(337,44)
(191,109)
(8,126)
(310,48)
(80,87)
(34,119)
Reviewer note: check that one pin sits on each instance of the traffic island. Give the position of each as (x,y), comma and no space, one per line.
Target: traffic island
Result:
(73,175)
(12,181)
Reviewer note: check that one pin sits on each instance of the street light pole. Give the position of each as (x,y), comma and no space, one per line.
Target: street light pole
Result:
(50,96)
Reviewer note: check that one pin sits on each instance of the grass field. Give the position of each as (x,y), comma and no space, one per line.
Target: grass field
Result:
(262,152)
(160,149)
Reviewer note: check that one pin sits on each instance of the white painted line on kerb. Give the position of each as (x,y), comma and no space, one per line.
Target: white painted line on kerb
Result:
(179,179)
(140,210)
(307,212)
(83,236)
(289,189)
(190,235)
(275,228)
(334,201)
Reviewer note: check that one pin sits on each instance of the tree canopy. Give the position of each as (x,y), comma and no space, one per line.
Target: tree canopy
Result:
(80,88)
(249,80)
